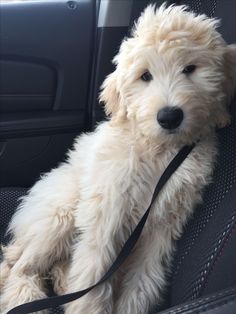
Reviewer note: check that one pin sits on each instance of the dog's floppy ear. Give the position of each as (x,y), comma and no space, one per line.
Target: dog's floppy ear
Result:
(111,97)
(230,72)
(222,117)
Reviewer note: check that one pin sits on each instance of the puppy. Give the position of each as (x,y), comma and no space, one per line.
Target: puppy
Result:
(173,80)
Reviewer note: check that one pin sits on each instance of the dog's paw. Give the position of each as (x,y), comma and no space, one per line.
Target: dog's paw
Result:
(58,277)
(18,290)
(223,121)
(4,273)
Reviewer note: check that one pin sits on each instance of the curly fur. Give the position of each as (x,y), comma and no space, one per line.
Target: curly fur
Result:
(75,219)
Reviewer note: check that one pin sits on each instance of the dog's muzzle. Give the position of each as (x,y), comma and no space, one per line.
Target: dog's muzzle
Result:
(170,117)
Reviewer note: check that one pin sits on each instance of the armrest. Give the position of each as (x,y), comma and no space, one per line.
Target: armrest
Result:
(222,302)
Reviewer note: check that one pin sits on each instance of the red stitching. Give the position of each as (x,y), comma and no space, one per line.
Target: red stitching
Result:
(218,255)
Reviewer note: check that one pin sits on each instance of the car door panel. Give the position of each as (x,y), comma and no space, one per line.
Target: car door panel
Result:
(46,60)
(24,159)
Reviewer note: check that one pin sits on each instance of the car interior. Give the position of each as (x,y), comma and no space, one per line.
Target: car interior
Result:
(54,56)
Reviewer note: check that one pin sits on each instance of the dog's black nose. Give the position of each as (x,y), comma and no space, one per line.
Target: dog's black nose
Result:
(170,117)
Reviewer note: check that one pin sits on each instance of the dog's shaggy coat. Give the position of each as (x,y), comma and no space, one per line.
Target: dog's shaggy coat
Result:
(74,221)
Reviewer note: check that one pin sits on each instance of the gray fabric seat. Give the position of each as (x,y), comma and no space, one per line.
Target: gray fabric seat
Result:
(9,200)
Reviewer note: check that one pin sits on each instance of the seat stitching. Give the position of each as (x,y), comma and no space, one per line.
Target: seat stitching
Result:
(217,256)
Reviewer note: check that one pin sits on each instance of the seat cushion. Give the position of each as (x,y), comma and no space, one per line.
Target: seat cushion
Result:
(9,200)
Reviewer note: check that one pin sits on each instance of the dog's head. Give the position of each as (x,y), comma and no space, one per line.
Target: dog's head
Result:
(174,76)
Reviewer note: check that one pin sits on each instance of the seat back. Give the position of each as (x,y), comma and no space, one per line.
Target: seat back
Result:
(206,254)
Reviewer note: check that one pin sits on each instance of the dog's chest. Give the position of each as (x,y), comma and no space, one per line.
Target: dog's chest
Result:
(180,194)
(171,210)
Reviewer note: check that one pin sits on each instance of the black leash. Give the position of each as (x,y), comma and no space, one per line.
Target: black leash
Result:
(51,302)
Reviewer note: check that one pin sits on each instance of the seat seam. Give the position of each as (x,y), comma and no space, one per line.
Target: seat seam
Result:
(217,305)
(217,257)
(203,300)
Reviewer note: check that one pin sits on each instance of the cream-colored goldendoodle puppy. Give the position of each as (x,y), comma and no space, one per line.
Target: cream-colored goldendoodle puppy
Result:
(173,80)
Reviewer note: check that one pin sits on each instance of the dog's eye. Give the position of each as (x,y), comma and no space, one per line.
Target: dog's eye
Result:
(189,69)
(146,77)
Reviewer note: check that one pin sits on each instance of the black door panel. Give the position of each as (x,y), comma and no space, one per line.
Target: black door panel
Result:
(22,160)
(46,53)
(46,60)
(30,124)
(36,91)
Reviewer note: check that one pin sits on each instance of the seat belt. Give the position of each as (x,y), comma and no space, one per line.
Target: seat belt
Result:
(54,301)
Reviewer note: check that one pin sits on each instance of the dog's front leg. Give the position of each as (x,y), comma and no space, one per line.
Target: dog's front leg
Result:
(88,266)
(145,274)
(101,220)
